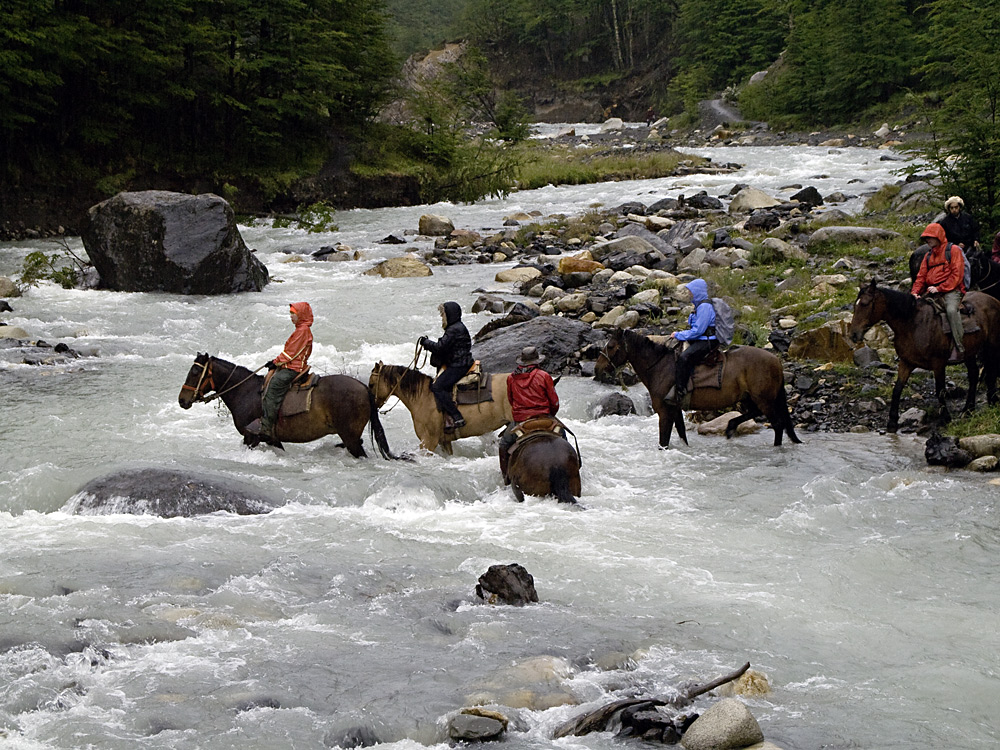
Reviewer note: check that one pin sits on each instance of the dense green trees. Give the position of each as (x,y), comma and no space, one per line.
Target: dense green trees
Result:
(211,86)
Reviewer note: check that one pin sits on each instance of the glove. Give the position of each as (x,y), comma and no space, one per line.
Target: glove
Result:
(421,341)
(270,365)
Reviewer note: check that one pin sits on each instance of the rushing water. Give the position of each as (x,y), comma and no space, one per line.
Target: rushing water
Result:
(863,584)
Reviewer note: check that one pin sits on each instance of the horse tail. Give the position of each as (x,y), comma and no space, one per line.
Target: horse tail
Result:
(559,484)
(376,430)
(786,417)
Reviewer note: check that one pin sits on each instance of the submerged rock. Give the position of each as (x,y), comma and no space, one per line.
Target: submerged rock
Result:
(507,584)
(166,493)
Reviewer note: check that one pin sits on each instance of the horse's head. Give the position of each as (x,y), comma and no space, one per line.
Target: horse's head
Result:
(613,354)
(868,310)
(382,382)
(199,382)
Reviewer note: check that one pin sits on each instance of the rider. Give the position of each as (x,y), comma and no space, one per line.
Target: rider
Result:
(287,366)
(700,337)
(453,352)
(938,276)
(532,393)
(960,227)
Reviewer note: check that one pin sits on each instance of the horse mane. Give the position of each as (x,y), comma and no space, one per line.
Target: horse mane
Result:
(897,300)
(238,371)
(643,344)
(410,380)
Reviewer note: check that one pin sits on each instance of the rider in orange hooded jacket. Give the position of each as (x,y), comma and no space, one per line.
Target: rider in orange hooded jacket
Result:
(292,361)
(940,275)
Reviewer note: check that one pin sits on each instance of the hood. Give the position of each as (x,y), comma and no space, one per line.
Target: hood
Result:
(304,311)
(452,312)
(699,291)
(936,231)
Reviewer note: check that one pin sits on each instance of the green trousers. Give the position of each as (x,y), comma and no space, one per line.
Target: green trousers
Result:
(281,381)
(952,301)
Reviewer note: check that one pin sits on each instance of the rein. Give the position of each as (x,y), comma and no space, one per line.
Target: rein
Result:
(989,270)
(200,398)
(415,362)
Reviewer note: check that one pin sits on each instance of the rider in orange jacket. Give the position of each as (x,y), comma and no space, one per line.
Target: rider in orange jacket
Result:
(939,275)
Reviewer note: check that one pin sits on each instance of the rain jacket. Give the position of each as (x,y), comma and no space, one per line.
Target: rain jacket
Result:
(532,393)
(935,270)
(702,320)
(300,344)
(454,348)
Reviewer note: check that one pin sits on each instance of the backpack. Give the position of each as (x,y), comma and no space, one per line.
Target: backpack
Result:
(967,267)
(725,321)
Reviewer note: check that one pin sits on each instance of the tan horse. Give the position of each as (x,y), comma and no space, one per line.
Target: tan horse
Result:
(413,388)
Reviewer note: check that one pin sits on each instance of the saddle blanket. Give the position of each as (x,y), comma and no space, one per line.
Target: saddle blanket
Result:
(474,388)
(708,372)
(299,396)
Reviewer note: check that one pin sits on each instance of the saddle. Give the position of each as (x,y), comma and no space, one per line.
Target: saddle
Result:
(299,396)
(535,428)
(708,373)
(967,313)
(475,387)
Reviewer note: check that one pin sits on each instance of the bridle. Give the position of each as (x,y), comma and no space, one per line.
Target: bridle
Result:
(207,378)
(415,363)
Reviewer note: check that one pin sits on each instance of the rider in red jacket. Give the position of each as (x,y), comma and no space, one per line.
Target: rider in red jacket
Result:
(532,393)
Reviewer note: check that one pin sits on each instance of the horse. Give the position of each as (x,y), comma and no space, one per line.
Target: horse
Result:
(341,405)
(985,272)
(922,341)
(752,378)
(413,388)
(544,463)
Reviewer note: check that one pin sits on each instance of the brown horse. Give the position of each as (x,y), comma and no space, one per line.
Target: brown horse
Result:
(753,379)
(341,405)
(413,388)
(921,340)
(544,463)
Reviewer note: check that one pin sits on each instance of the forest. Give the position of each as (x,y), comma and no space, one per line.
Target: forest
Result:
(115,95)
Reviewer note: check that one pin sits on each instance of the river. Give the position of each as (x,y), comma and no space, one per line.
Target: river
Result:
(856,578)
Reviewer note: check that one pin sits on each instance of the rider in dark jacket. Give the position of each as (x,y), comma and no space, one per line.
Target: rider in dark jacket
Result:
(960,228)
(453,353)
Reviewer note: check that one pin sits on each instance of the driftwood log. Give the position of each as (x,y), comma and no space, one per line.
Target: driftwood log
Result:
(599,719)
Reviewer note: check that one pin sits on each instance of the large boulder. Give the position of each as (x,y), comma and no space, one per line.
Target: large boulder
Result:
(727,725)
(850,235)
(166,493)
(557,338)
(507,584)
(749,199)
(400,268)
(158,241)
(828,343)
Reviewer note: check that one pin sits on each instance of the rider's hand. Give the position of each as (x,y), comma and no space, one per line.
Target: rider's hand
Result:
(932,289)
(270,365)
(421,341)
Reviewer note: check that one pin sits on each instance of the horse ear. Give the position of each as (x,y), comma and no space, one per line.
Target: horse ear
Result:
(872,284)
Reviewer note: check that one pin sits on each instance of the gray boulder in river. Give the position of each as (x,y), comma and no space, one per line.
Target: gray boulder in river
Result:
(166,493)
(159,241)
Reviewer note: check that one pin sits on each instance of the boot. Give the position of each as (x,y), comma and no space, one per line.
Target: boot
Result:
(957,356)
(675,395)
(449,423)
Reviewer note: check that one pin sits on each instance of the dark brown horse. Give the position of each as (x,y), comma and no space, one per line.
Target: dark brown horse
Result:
(340,406)
(922,340)
(544,463)
(753,379)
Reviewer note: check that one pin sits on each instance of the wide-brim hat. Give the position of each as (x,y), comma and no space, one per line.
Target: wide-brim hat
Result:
(530,356)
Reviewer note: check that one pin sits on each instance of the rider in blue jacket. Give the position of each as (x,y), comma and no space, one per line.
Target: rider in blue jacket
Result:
(700,337)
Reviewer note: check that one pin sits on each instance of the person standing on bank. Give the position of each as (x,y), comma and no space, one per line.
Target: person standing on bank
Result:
(959,227)
(453,353)
(532,393)
(944,278)
(700,337)
(292,362)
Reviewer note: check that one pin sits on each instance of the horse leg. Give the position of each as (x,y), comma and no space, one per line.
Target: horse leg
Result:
(903,372)
(518,495)
(972,369)
(355,445)
(939,391)
(736,422)
(679,424)
(666,420)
